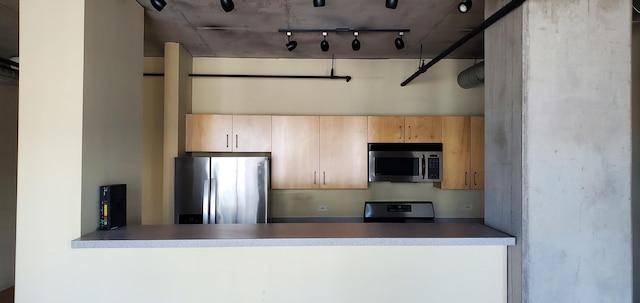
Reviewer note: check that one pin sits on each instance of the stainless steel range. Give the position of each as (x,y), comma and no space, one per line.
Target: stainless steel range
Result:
(399,211)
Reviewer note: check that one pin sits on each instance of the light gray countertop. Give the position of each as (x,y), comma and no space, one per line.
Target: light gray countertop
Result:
(295,234)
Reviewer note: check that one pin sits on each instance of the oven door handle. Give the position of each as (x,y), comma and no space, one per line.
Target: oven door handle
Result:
(424,167)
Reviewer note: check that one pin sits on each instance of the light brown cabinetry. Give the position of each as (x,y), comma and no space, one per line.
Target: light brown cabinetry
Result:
(294,152)
(343,152)
(463,152)
(401,129)
(228,133)
(319,152)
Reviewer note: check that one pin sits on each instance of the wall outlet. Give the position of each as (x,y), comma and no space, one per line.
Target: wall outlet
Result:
(323,208)
(467,207)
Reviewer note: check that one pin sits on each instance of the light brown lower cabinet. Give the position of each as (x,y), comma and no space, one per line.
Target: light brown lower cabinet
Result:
(319,152)
(463,152)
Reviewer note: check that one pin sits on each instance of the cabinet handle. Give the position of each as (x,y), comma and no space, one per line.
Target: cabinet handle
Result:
(314,177)
(409,131)
(466,174)
(475,173)
(324,178)
(400,132)
(227,140)
(236,141)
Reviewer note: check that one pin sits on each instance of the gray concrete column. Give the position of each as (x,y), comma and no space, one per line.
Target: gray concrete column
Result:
(558,148)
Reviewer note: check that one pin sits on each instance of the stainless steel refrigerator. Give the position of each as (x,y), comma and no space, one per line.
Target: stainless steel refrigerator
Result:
(221,190)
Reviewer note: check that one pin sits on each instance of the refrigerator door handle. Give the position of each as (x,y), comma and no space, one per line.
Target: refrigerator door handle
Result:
(213,201)
(206,201)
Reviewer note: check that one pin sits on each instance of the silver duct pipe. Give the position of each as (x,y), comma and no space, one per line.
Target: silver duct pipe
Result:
(472,76)
(8,75)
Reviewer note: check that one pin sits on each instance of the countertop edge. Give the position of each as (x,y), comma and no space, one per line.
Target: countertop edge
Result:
(198,243)
(295,234)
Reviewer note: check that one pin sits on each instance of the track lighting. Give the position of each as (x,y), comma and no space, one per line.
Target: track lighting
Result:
(158,4)
(227,5)
(355,44)
(392,4)
(324,44)
(291,45)
(399,43)
(318,3)
(465,6)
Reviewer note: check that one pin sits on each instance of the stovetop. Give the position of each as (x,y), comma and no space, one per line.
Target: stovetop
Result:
(399,211)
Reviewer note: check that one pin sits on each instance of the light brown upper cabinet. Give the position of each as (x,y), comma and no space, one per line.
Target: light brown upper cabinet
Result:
(228,133)
(295,152)
(401,129)
(463,152)
(343,152)
(385,129)
(423,129)
(319,152)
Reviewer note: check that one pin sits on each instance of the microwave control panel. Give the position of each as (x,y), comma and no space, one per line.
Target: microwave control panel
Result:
(433,167)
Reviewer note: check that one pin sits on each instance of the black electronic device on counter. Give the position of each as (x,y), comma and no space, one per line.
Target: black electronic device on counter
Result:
(113,206)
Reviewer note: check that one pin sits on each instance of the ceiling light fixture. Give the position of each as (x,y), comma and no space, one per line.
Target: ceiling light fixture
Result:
(318,3)
(392,4)
(324,44)
(227,5)
(355,44)
(291,45)
(158,4)
(465,6)
(399,43)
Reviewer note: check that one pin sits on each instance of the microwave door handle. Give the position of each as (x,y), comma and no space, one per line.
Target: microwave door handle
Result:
(424,166)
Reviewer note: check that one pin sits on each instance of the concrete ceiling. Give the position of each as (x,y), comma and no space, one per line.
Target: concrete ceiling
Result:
(251,30)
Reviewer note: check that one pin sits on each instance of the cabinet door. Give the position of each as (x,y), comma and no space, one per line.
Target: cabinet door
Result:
(208,133)
(343,152)
(477,153)
(423,129)
(251,133)
(385,129)
(294,152)
(456,152)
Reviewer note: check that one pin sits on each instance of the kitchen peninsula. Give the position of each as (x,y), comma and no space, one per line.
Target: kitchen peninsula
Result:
(311,262)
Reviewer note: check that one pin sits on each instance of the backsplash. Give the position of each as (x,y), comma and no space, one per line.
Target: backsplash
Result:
(350,203)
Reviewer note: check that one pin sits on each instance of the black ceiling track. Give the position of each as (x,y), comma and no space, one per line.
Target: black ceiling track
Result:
(484,25)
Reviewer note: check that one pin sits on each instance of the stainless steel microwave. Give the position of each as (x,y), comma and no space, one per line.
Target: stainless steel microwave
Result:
(405,162)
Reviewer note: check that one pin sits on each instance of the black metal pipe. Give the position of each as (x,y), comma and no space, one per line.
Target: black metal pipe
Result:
(347,78)
(153,74)
(484,25)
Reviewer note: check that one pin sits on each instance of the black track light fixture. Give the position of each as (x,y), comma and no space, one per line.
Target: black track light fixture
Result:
(355,44)
(158,4)
(392,4)
(291,45)
(399,43)
(324,44)
(318,3)
(227,5)
(465,6)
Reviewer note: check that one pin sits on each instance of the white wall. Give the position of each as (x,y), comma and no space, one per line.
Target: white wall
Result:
(374,90)
(112,108)
(65,108)
(8,172)
(152,138)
